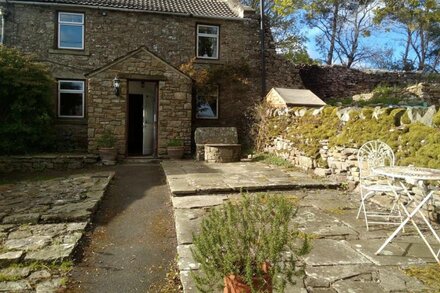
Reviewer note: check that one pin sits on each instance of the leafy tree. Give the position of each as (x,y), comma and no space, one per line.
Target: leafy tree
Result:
(283,21)
(26,89)
(358,25)
(325,15)
(342,26)
(416,18)
(434,52)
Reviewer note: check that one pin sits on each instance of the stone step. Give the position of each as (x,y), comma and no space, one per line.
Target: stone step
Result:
(140,160)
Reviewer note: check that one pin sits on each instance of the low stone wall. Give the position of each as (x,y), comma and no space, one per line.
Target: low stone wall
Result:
(41,162)
(325,141)
(339,163)
(339,82)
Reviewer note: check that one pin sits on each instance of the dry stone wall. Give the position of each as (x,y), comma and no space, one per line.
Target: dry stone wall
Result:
(340,82)
(340,161)
(38,163)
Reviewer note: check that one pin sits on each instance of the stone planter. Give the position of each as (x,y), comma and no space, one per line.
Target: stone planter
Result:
(222,153)
(175,152)
(108,156)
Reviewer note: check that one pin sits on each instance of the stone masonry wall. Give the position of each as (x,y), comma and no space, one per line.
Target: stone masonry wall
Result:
(340,82)
(108,111)
(38,163)
(111,34)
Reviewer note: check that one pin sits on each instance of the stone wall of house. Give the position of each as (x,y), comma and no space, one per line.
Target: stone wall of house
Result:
(38,163)
(341,82)
(111,34)
(108,111)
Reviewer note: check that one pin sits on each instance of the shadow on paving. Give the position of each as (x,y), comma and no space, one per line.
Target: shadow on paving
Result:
(133,239)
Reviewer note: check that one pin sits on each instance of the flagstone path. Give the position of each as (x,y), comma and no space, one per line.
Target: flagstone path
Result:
(342,258)
(42,223)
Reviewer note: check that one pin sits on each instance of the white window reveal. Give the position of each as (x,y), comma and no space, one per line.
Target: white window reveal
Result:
(207,103)
(71,30)
(207,41)
(70,99)
(2,26)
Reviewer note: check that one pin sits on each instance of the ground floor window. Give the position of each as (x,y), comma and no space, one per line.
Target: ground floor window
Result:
(207,103)
(71,99)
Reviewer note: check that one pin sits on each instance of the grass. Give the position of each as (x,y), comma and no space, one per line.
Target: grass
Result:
(271,159)
(63,268)
(429,275)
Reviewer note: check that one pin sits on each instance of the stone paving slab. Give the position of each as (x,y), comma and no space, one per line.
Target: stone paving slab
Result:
(342,257)
(341,254)
(402,251)
(69,199)
(336,262)
(190,177)
(42,224)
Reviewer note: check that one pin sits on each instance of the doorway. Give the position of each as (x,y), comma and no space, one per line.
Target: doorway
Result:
(142,118)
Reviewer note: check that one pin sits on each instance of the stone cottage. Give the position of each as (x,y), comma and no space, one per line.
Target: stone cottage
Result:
(117,65)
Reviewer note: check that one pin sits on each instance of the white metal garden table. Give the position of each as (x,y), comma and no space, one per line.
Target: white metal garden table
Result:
(413,175)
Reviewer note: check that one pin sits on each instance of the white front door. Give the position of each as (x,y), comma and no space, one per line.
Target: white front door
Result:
(148,125)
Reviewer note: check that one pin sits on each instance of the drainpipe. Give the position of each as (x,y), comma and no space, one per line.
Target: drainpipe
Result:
(263,55)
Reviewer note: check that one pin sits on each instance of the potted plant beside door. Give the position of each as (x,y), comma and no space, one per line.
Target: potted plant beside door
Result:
(106,147)
(248,246)
(175,149)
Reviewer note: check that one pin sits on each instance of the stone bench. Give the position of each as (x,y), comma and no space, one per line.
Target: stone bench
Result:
(214,136)
(222,153)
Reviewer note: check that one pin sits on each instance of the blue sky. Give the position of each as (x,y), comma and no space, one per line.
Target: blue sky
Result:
(379,38)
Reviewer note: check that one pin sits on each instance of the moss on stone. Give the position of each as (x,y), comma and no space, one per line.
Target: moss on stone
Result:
(436,120)
(414,143)
(405,118)
(429,275)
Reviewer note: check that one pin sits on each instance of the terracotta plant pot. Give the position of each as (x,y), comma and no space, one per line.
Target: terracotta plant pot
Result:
(236,284)
(108,156)
(175,152)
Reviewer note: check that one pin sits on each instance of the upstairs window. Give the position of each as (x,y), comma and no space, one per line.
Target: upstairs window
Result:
(71,30)
(207,41)
(71,99)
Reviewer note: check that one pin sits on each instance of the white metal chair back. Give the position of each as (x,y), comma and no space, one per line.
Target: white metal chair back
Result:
(373,154)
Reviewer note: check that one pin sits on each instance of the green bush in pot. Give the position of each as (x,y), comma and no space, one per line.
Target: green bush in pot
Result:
(249,244)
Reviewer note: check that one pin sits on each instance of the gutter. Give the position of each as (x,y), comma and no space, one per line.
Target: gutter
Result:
(124,9)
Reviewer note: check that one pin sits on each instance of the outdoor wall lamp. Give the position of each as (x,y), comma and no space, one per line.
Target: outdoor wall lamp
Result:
(116,86)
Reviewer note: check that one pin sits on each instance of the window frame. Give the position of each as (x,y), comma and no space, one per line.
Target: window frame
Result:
(210,36)
(216,91)
(60,91)
(82,24)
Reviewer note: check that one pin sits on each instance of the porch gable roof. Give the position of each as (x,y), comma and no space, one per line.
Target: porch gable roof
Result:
(129,55)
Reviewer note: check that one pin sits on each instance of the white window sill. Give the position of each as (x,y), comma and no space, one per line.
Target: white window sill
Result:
(70,52)
(208,61)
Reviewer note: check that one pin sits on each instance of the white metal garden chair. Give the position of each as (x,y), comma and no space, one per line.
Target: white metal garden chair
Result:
(371,155)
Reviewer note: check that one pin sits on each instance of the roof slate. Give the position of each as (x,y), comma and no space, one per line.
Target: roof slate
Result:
(208,8)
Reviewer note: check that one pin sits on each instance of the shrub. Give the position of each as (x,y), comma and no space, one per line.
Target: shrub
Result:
(106,140)
(175,142)
(26,111)
(240,237)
